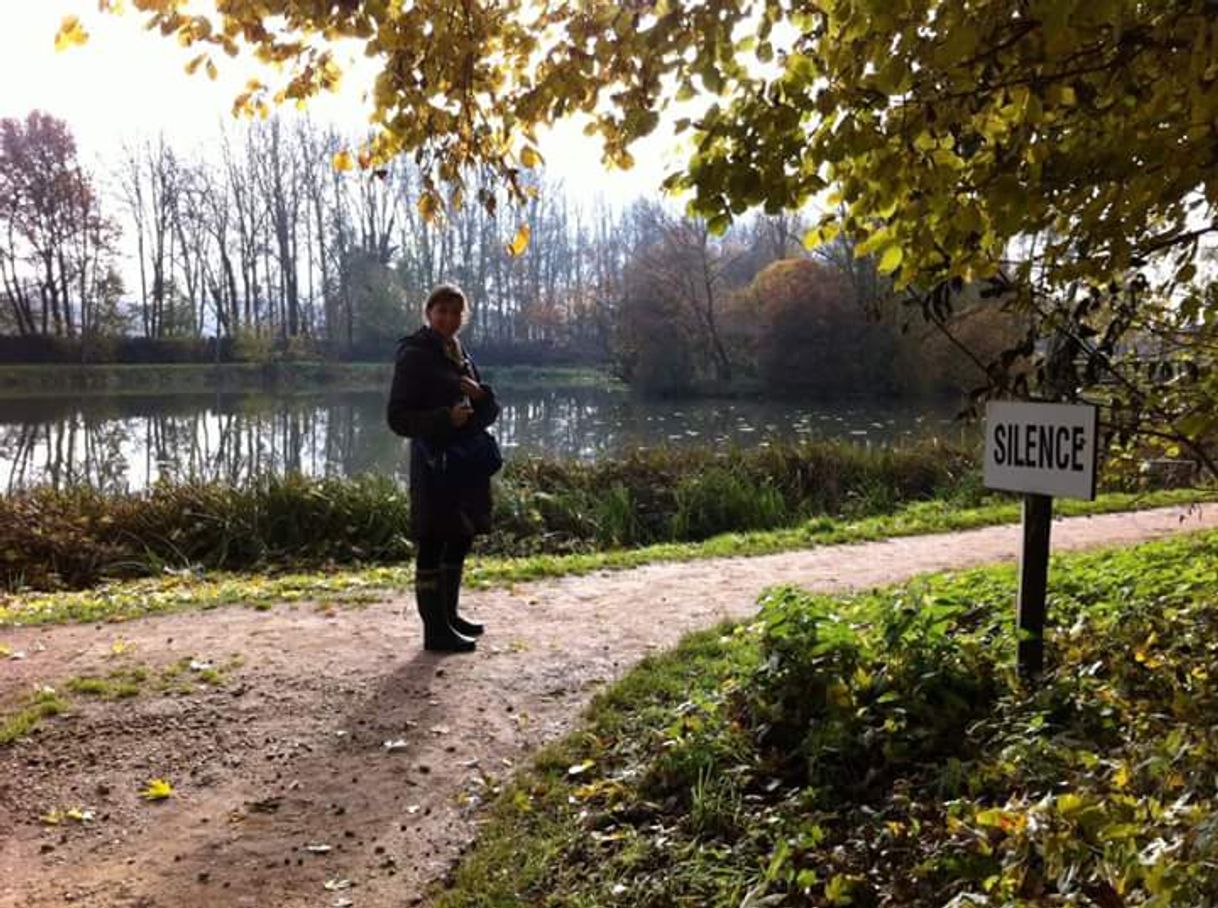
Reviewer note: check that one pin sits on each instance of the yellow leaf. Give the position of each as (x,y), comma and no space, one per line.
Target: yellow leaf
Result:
(825,233)
(212,72)
(343,161)
(157,790)
(1069,804)
(530,157)
(428,208)
(890,259)
(71,33)
(520,242)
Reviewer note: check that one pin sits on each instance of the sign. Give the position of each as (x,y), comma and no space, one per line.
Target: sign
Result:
(1041,449)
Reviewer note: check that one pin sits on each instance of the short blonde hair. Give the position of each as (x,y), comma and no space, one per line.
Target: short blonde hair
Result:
(440,293)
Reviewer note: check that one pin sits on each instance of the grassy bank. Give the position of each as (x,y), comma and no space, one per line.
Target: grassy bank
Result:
(77,537)
(878,750)
(182,589)
(47,380)
(18,381)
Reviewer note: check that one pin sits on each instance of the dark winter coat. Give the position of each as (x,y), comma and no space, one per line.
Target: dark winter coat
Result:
(426,384)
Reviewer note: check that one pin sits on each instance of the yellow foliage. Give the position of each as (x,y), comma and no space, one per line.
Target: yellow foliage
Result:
(71,33)
(920,117)
(520,242)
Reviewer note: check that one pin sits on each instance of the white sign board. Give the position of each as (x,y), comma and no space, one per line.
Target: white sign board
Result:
(1048,449)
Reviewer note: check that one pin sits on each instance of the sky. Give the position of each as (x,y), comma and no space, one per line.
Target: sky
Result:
(126,83)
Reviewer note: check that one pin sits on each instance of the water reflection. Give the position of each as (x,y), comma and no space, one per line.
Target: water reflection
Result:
(128,442)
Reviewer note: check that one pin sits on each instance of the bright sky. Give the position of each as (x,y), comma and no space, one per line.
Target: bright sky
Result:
(126,83)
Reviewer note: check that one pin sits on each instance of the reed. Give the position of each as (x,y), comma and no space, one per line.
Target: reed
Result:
(74,537)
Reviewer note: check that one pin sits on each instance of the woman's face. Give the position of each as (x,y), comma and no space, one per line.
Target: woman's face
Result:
(445,316)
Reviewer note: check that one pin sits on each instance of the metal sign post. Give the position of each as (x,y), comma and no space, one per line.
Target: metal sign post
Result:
(1041,450)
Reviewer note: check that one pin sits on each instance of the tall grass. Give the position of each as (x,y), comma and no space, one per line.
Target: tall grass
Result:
(73,538)
(675,495)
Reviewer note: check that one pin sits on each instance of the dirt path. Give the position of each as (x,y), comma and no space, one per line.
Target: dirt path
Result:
(290,751)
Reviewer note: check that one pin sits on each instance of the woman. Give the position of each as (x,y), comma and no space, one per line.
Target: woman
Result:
(437,398)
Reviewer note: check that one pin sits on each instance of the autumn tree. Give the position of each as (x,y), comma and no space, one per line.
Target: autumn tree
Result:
(813,339)
(56,245)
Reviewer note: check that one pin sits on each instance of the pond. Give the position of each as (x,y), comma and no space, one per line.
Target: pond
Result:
(128,441)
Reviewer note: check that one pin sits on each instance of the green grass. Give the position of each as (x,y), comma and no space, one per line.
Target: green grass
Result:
(185,590)
(41,705)
(122,683)
(878,749)
(170,378)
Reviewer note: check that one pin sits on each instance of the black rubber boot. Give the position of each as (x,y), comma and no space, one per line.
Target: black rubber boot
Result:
(438,634)
(450,582)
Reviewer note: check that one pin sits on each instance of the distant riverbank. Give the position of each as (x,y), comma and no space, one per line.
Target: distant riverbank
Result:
(33,380)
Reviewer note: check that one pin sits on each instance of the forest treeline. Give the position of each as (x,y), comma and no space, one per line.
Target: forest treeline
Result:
(261,249)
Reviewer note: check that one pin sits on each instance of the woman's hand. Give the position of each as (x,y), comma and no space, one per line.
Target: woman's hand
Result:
(460,414)
(472,388)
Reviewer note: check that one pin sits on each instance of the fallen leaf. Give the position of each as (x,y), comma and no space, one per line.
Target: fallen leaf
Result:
(157,790)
